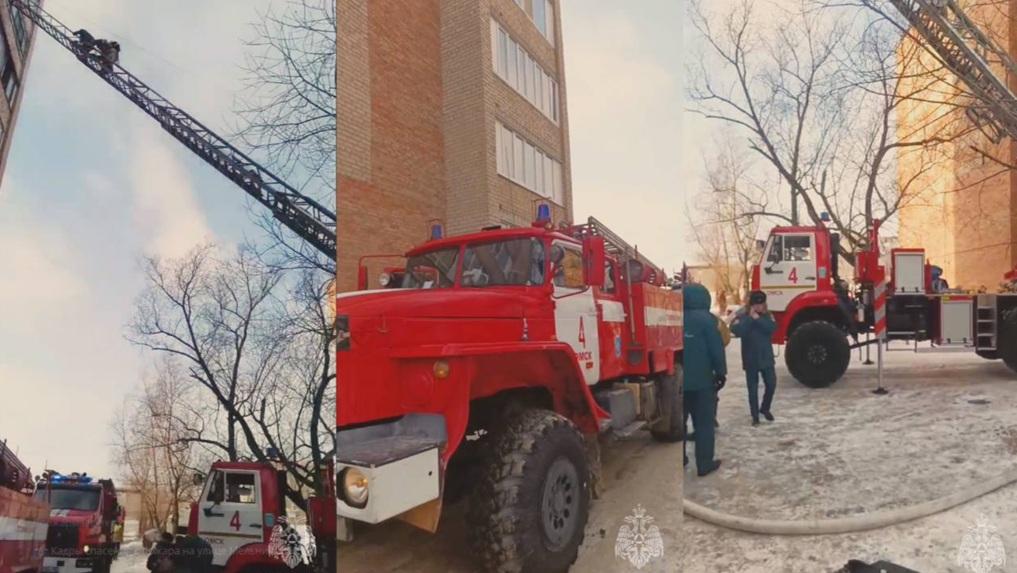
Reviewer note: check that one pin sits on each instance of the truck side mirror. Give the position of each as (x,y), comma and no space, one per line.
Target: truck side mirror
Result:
(593,261)
(760,244)
(198,478)
(362,278)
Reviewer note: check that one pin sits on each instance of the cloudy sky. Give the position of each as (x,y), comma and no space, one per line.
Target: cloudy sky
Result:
(634,159)
(91,185)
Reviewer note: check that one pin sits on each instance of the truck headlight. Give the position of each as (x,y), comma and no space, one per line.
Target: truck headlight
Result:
(384,279)
(354,487)
(86,549)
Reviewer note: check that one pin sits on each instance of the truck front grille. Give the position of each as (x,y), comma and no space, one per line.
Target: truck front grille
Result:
(62,539)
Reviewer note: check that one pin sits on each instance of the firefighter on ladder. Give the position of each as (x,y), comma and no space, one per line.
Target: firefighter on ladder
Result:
(108,51)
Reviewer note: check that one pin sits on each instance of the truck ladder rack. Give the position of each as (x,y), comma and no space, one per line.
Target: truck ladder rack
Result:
(963,48)
(614,244)
(309,219)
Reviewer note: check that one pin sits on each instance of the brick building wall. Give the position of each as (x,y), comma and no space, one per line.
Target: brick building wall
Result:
(961,210)
(419,99)
(17,38)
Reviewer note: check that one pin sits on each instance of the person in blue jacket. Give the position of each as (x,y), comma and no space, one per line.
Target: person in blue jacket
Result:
(754,325)
(705,372)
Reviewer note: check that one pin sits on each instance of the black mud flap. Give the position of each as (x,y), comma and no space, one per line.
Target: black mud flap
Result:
(856,566)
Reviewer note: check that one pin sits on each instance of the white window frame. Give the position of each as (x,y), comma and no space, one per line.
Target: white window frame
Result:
(548,28)
(517,68)
(527,165)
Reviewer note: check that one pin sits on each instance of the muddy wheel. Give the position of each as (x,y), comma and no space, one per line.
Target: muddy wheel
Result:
(528,511)
(817,354)
(671,426)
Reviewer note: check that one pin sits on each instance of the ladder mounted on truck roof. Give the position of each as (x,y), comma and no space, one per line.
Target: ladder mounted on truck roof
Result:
(306,217)
(613,243)
(963,48)
(14,473)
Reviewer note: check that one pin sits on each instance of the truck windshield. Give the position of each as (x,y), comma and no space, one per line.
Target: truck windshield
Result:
(78,499)
(516,262)
(436,269)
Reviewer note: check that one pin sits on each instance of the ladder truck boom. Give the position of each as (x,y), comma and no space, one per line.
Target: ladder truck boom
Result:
(963,48)
(306,217)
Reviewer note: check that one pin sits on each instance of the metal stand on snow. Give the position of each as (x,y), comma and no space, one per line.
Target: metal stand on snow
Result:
(880,327)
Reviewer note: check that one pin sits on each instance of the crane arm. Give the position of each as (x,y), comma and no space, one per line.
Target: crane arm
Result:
(306,217)
(963,48)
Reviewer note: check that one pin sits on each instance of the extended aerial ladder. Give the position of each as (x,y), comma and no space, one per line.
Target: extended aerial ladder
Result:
(963,48)
(306,217)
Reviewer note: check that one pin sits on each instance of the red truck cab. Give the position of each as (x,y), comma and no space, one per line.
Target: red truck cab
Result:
(544,333)
(85,523)
(242,505)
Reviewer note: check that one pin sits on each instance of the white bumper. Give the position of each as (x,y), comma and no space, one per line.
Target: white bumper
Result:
(394,485)
(66,565)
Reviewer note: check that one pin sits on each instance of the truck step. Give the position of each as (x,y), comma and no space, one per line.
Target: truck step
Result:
(631,429)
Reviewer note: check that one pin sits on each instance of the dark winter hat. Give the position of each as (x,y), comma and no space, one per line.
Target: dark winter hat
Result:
(757,297)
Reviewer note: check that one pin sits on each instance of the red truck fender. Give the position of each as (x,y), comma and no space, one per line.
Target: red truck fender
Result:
(572,399)
(252,557)
(823,299)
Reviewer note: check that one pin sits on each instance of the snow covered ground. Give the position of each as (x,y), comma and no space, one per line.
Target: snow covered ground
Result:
(949,421)
(132,559)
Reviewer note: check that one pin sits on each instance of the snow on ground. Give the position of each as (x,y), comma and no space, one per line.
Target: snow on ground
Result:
(132,559)
(636,471)
(950,421)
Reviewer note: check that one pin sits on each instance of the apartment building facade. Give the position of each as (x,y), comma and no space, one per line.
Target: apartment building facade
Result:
(17,35)
(451,112)
(961,204)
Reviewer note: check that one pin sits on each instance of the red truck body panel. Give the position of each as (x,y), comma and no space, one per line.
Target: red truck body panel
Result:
(23,526)
(497,338)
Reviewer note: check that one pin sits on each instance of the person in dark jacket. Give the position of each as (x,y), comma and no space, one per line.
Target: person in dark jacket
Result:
(705,372)
(194,555)
(160,559)
(755,325)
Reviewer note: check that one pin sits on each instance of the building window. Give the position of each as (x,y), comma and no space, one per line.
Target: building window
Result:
(542,14)
(520,71)
(527,165)
(7,75)
(20,30)
(10,80)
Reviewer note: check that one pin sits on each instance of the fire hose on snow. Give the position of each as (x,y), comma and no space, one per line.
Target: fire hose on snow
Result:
(854,524)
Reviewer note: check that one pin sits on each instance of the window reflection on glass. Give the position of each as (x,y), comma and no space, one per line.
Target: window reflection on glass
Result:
(515,262)
(215,491)
(797,248)
(436,269)
(240,488)
(608,277)
(776,246)
(568,267)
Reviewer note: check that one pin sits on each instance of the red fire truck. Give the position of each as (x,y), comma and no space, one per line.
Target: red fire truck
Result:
(86,523)
(491,371)
(242,514)
(820,319)
(23,519)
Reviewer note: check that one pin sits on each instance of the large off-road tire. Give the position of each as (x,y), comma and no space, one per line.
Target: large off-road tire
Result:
(528,511)
(1006,342)
(817,353)
(671,427)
